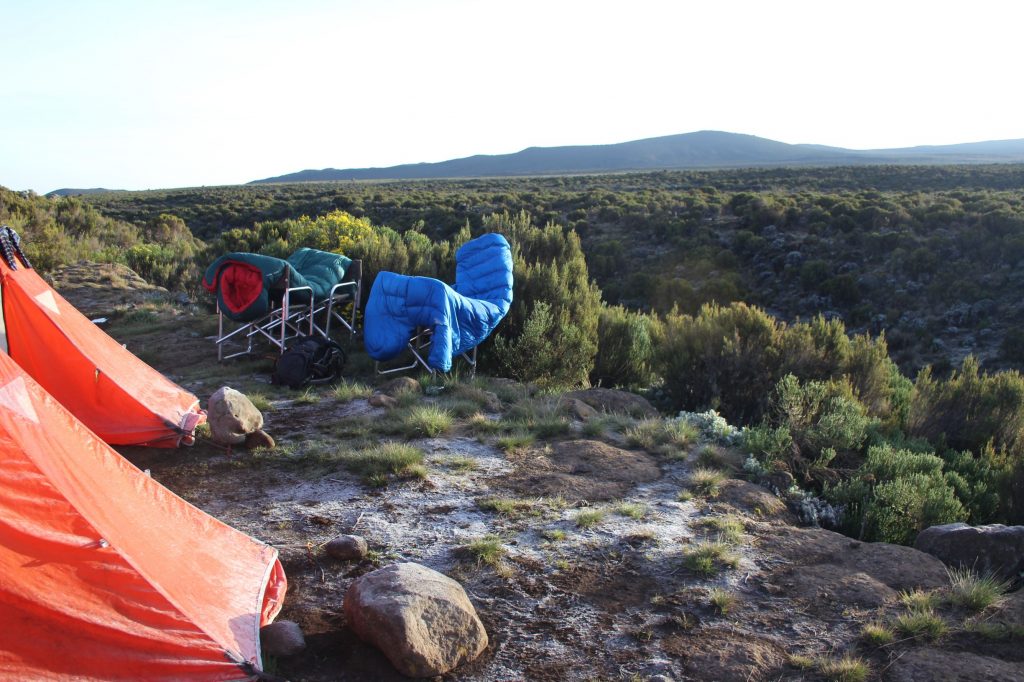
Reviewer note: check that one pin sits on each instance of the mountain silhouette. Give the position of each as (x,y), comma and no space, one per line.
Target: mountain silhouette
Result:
(703,149)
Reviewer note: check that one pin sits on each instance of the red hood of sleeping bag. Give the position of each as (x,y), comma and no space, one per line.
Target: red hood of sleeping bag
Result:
(240,285)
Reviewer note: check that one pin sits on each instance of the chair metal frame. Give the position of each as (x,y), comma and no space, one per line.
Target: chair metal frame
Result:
(418,345)
(290,320)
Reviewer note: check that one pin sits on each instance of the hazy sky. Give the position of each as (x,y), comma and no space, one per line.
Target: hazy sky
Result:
(147,94)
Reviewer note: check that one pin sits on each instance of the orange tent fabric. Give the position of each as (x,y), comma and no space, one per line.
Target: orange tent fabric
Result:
(104,573)
(122,399)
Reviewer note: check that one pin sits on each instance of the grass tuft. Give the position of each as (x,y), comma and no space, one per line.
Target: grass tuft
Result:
(427,420)
(849,668)
(974,592)
(877,634)
(709,557)
(588,518)
(347,392)
(800,661)
(516,442)
(710,457)
(307,397)
(479,423)
(486,550)
(376,463)
(666,437)
(707,482)
(923,623)
(260,401)
(632,510)
(728,528)
(461,464)
(920,600)
(507,506)
(555,534)
(721,600)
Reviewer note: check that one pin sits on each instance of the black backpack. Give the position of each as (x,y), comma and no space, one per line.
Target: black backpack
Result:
(309,360)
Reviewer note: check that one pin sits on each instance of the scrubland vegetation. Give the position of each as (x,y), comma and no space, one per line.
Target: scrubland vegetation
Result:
(895,447)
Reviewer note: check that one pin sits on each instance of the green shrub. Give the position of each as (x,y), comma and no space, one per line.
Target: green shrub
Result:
(768,443)
(550,334)
(625,348)
(895,494)
(970,409)
(726,358)
(809,424)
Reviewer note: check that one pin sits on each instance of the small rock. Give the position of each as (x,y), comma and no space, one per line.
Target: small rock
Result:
(579,410)
(381,400)
(283,638)
(420,619)
(347,548)
(259,439)
(232,416)
(994,549)
(396,387)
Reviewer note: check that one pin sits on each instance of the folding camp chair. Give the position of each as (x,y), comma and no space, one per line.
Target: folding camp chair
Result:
(285,321)
(433,321)
(278,301)
(342,293)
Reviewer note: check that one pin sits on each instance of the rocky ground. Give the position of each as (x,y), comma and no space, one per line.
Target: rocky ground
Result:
(593,543)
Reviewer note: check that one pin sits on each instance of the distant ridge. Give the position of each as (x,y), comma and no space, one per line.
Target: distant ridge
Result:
(703,149)
(72,192)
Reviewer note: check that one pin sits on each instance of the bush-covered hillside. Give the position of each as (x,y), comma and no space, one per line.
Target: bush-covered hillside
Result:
(932,255)
(850,273)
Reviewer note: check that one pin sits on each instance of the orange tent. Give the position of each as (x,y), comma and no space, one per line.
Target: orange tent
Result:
(104,573)
(122,399)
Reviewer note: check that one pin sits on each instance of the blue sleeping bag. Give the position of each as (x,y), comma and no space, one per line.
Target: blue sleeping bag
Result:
(461,317)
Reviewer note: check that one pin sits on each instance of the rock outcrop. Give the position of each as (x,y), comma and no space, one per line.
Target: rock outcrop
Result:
(614,401)
(994,549)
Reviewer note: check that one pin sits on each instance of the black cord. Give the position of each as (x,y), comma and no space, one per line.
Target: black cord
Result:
(7,249)
(16,243)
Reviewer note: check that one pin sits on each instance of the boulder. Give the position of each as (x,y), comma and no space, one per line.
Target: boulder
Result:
(283,638)
(347,548)
(611,400)
(400,385)
(420,619)
(994,549)
(232,416)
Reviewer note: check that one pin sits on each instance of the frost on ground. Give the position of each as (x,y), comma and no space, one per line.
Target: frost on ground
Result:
(586,557)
